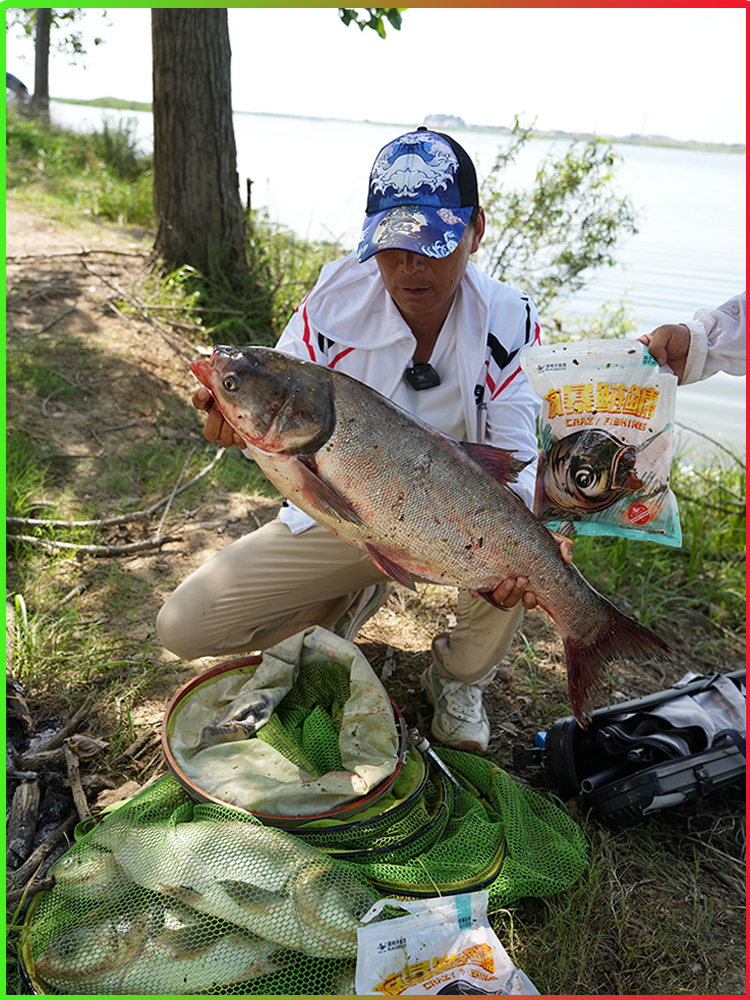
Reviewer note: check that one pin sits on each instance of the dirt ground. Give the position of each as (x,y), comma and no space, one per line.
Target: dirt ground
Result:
(62,279)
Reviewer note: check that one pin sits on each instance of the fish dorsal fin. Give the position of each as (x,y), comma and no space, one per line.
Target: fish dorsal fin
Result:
(567,529)
(501,464)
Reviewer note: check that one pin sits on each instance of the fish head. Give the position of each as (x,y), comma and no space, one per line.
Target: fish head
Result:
(590,471)
(88,873)
(91,951)
(274,401)
(74,951)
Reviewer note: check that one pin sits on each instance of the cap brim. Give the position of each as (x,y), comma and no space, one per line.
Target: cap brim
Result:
(431,232)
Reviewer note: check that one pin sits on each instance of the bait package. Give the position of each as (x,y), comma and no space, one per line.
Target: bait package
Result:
(444,945)
(606,430)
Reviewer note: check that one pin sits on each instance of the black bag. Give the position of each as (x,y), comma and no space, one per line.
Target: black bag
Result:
(637,758)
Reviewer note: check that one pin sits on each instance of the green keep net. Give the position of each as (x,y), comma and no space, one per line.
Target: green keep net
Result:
(167,895)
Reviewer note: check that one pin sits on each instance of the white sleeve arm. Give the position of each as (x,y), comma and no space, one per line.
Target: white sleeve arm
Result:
(717,341)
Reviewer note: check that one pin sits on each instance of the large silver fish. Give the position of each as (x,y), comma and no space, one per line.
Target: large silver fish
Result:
(155,951)
(419,503)
(262,879)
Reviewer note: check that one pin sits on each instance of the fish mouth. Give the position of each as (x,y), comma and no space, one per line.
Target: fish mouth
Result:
(202,369)
(622,472)
(220,356)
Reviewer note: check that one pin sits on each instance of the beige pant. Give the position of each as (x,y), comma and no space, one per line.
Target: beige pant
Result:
(270,584)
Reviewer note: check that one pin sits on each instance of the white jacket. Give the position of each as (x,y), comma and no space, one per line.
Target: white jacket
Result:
(349,323)
(717,341)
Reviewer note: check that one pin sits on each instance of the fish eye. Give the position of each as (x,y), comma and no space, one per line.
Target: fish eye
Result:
(585,478)
(230,383)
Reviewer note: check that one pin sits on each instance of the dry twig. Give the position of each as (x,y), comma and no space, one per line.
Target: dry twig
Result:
(80,588)
(173,494)
(140,744)
(59,738)
(52,322)
(141,312)
(97,551)
(712,440)
(107,522)
(79,385)
(83,252)
(193,309)
(31,866)
(74,776)
(13,898)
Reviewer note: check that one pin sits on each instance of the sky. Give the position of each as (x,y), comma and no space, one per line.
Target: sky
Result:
(671,71)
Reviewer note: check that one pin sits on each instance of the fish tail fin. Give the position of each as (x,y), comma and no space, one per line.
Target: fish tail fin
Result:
(617,638)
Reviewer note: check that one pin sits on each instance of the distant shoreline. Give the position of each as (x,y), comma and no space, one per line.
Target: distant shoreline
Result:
(116,104)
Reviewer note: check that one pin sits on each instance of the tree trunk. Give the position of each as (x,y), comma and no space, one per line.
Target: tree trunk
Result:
(40,100)
(199,219)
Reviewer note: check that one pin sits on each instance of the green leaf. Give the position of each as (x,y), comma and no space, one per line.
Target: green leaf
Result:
(372,17)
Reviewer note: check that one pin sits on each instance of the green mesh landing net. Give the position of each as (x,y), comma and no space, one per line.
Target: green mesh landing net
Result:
(306,725)
(167,895)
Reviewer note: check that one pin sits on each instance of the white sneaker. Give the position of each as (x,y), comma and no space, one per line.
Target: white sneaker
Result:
(460,720)
(375,598)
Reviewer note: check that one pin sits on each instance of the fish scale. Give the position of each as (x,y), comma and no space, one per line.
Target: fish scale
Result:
(422,505)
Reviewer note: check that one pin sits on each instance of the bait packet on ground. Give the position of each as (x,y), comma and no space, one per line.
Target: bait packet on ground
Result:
(607,434)
(442,946)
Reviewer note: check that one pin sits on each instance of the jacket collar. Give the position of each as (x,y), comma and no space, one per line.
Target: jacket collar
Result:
(351,306)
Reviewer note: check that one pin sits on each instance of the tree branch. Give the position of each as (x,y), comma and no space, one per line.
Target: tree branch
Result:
(96,550)
(108,522)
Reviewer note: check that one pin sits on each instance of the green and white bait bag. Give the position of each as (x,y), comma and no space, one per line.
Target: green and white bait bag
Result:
(606,430)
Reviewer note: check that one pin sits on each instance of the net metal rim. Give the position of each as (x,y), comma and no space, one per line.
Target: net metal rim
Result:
(283,822)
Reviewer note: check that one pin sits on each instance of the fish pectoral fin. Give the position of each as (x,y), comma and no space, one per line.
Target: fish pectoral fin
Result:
(251,897)
(501,464)
(321,495)
(390,568)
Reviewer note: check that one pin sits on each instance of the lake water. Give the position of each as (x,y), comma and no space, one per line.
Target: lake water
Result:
(689,253)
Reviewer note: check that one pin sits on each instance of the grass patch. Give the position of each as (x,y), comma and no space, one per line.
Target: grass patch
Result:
(25,475)
(638,922)
(42,379)
(704,580)
(145,470)
(67,650)
(99,173)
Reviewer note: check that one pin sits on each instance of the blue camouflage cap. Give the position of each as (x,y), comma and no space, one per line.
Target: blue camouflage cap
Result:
(423,189)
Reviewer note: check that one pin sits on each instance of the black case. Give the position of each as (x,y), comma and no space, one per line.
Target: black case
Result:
(614,785)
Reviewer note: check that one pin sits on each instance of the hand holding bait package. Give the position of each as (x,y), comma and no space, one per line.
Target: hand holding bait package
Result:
(607,431)
(443,946)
